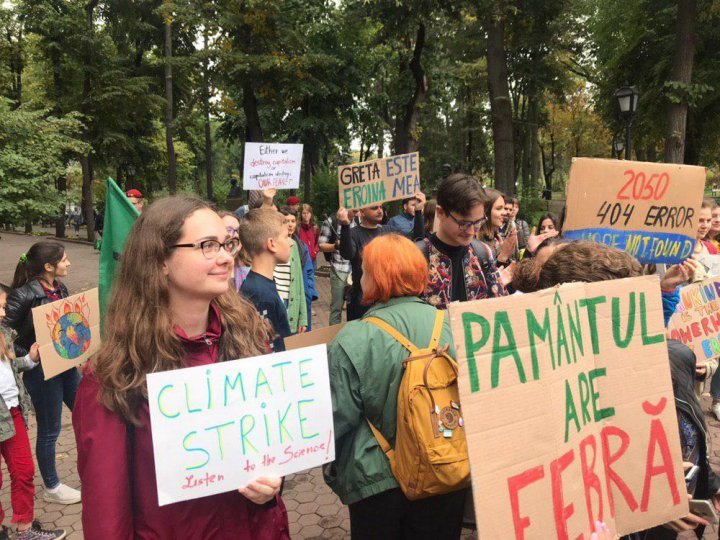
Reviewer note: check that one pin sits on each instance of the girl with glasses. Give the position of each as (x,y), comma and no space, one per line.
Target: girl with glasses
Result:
(174,310)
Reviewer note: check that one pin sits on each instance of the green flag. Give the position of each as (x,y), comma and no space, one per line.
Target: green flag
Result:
(120,214)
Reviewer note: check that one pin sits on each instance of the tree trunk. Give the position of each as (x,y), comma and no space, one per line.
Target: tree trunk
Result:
(548,167)
(406,121)
(208,131)
(172,165)
(501,111)
(61,181)
(682,73)
(86,160)
(253,129)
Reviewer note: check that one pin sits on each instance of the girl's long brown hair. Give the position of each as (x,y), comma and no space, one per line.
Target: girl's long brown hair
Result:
(488,231)
(140,336)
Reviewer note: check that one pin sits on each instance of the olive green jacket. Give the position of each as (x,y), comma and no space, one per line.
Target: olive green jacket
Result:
(7,426)
(297,306)
(365,373)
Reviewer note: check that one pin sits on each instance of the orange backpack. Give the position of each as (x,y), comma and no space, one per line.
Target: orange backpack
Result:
(430,455)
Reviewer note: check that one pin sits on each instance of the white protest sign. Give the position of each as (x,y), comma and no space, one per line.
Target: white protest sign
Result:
(272,165)
(219,426)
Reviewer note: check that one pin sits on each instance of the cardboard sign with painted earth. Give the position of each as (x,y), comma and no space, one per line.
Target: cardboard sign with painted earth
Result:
(71,335)
(68,331)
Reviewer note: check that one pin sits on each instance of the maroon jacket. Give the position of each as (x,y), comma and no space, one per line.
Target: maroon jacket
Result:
(309,234)
(117,470)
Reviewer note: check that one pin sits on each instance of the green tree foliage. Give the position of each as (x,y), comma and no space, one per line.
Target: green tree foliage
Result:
(33,146)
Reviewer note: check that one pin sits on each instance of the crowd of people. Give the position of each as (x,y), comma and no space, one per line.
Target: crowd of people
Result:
(197,287)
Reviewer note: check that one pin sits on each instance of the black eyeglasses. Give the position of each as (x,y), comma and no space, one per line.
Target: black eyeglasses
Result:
(210,248)
(232,231)
(464,225)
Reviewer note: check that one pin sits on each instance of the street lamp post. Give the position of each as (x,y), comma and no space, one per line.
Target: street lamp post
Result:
(617,148)
(627,97)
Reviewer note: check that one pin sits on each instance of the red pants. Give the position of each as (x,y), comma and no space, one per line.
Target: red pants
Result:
(19,461)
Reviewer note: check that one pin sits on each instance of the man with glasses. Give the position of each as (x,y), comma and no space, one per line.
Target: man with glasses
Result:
(352,242)
(461,267)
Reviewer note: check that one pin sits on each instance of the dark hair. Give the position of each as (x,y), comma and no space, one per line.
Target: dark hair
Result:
(32,264)
(512,200)
(460,193)
(552,217)
(492,195)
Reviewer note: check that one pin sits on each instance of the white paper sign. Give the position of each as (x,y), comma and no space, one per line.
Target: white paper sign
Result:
(271,165)
(218,427)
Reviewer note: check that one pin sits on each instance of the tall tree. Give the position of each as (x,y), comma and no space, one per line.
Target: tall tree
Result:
(500,107)
(681,78)
(169,103)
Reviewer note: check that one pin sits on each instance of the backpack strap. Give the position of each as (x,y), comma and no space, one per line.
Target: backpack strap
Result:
(384,444)
(397,336)
(437,329)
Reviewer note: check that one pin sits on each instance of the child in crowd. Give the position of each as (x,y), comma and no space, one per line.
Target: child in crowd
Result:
(14,442)
(175,310)
(265,237)
(242,267)
(290,277)
(36,282)
(704,217)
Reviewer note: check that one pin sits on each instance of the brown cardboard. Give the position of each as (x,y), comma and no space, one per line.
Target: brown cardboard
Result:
(380,180)
(316,337)
(516,427)
(696,321)
(647,209)
(61,349)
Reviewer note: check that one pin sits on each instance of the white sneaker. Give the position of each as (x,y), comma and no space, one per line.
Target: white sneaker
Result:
(63,495)
(716,409)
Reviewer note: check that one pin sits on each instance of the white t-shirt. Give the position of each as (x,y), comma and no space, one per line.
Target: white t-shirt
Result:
(8,387)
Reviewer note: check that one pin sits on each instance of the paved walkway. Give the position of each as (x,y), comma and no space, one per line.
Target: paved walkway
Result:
(314,511)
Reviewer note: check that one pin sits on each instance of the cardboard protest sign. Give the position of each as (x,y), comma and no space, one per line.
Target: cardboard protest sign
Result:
(569,411)
(696,321)
(67,331)
(316,337)
(217,427)
(271,165)
(380,180)
(647,209)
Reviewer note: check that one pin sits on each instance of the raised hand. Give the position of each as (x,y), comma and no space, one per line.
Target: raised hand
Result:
(507,247)
(536,239)
(421,200)
(342,216)
(678,274)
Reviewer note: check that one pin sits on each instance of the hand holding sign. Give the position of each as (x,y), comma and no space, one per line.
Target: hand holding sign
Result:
(262,490)
(34,352)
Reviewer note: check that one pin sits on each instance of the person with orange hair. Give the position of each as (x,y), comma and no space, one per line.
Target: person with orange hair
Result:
(366,367)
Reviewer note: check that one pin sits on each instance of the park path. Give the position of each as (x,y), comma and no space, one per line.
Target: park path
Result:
(314,511)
